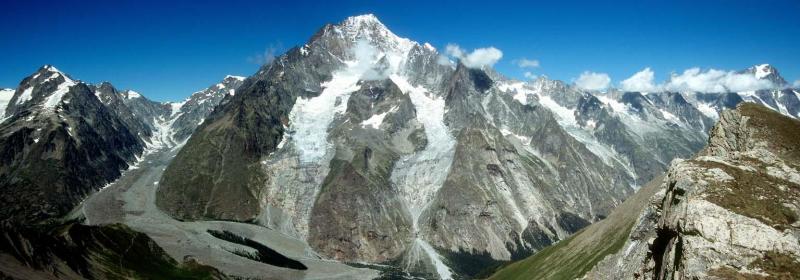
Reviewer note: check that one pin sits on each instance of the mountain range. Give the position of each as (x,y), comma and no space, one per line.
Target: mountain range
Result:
(362,154)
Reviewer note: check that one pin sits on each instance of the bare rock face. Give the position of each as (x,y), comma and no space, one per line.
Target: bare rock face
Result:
(375,148)
(730,212)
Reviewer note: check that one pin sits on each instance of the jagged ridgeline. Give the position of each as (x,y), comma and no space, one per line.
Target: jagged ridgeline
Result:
(730,212)
(375,148)
(62,140)
(362,154)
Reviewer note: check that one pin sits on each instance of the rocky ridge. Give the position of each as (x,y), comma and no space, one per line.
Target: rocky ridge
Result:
(454,163)
(730,212)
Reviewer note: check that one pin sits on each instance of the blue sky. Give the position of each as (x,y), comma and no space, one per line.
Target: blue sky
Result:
(169,50)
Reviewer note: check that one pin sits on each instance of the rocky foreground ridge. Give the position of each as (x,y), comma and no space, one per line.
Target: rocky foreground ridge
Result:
(731,212)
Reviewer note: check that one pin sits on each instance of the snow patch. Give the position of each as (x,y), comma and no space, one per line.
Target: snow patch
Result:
(5,98)
(310,117)
(566,118)
(375,121)
(763,71)
(26,95)
(133,94)
(55,98)
(707,110)
(669,116)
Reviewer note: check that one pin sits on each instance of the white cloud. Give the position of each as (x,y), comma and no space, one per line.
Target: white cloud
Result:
(478,58)
(797,84)
(443,60)
(265,57)
(530,75)
(366,57)
(527,63)
(593,81)
(454,50)
(643,81)
(713,80)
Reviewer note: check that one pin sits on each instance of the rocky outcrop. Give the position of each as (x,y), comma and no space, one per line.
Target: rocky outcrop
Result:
(730,212)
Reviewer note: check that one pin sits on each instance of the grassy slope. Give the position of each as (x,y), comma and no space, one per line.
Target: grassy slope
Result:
(576,255)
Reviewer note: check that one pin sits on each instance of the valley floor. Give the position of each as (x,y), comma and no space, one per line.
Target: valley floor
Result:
(131,200)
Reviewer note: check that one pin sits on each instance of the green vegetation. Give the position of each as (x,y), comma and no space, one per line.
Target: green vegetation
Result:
(564,260)
(754,195)
(98,252)
(780,132)
(575,256)
(778,267)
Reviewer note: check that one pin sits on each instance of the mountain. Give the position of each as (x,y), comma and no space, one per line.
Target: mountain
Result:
(193,111)
(62,141)
(58,144)
(138,113)
(372,148)
(357,154)
(730,212)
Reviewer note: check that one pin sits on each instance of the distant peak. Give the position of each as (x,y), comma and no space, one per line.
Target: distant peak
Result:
(766,72)
(362,20)
(238,78)
(50,68)
(763,70)
(364,23)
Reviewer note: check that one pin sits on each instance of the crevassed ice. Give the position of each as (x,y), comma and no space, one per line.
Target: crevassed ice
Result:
(426,170)
(310,117)
(419,176)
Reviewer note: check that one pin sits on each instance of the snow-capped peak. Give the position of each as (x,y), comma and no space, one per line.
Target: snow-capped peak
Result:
(763,70)
(429,47)
(52,68)
(362,20)
(132,94)
(370,28)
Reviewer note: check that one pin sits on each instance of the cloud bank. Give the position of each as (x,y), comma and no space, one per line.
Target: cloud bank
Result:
(713,80)
(643,81)
(593,81)
(478,58)
(695,79)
